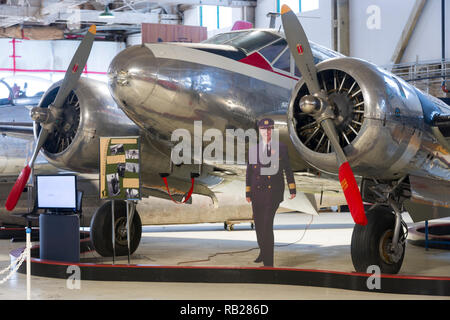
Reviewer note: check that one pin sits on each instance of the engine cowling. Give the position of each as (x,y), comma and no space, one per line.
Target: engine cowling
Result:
(374,114)
(89,113)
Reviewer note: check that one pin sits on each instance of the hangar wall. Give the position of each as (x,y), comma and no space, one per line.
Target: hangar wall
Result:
(374,40)
(378,45)
(317,23)
(48,59)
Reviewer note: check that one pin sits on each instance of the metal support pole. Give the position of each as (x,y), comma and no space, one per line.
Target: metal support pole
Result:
(426,235)
(128,229)
(113,231)
(28,253)
(343,27)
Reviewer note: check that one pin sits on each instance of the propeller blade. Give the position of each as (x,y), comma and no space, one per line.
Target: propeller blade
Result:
(301,51)
(17,189)
(71,78)
(352,194)
(346,176)
(76,67)
(21,181)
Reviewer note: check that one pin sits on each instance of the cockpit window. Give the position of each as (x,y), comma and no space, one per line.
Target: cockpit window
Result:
(248,41)
(253,41)
(284,62)
(270,45)
(224,37)
(273,50)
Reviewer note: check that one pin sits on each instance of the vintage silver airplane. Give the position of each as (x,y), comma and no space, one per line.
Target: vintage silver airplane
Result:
(331,110)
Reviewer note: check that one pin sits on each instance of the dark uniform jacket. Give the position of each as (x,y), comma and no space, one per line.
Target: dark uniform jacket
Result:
(258,185)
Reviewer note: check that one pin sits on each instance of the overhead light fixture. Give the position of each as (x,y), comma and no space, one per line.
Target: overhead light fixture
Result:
(106,14)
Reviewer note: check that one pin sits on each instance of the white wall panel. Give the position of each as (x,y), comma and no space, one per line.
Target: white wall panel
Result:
(134,39)
(192,17)
(378,44)
(6,50)
(49,59)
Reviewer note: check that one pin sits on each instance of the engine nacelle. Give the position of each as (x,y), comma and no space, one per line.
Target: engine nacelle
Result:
(376,114)
(89,113)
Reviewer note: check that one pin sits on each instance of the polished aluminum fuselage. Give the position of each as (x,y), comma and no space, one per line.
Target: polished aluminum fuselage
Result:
(163,87)
(100,116)
(162,93)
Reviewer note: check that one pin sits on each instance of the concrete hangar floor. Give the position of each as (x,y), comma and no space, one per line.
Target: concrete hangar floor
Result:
(302,241)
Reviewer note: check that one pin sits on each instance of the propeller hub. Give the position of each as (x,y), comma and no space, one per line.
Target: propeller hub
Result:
(310,104)
(40,115)
(343,109)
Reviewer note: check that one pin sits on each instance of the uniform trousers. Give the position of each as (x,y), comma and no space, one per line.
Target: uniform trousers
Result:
(264,209)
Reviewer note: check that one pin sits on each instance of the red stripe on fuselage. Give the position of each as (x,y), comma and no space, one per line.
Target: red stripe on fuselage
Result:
(257,60)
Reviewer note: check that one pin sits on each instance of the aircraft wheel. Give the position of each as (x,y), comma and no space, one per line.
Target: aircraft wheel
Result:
(101,230)
(371,243)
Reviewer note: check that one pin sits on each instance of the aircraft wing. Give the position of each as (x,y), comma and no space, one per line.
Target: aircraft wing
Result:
(22,130)
(313,191)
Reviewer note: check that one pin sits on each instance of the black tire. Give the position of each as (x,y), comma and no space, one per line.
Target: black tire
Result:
(369,242)
(101,230)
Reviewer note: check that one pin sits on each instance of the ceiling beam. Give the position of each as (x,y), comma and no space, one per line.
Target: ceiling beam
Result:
(407,31)
(122,17)
(40,33)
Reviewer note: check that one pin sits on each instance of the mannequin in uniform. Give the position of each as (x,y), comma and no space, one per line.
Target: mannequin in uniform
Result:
(265,192)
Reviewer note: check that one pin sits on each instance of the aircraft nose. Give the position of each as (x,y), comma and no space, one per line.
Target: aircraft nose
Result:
(132,75)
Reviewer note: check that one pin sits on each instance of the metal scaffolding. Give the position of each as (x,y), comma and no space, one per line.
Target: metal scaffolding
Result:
(426,75)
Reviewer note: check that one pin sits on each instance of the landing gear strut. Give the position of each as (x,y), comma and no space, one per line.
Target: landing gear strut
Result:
(382,241)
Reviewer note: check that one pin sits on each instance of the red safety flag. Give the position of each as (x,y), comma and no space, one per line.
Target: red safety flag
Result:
(188,195)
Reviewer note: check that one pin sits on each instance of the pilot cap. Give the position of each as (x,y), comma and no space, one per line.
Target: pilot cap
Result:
(265,123)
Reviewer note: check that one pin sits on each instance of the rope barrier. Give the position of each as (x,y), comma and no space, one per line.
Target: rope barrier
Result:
(15,265)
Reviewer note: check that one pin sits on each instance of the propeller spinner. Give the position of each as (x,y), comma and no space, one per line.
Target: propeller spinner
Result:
(318,106)
(51,116)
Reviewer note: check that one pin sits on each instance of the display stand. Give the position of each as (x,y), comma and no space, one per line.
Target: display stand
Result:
(59,237)
(59,230)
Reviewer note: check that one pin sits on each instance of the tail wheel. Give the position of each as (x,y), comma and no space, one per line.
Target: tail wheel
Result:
(101,230)
(371,244)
